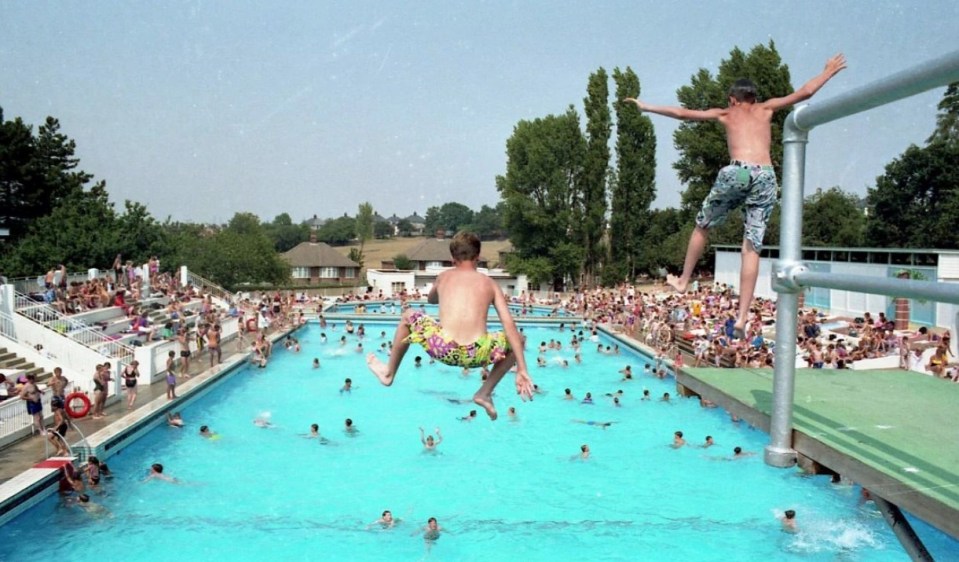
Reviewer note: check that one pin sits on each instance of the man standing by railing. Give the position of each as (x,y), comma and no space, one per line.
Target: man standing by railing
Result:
(31,393)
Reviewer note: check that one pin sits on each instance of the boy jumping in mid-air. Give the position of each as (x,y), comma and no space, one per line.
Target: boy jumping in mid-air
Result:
(748,179)
(460,337)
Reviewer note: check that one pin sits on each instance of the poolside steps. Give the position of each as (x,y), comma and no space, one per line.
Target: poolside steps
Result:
(11,361)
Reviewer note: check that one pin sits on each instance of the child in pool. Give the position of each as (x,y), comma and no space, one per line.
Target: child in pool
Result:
(460,337)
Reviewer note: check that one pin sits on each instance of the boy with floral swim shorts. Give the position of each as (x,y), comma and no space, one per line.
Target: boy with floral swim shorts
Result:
(749,178)
(460,337)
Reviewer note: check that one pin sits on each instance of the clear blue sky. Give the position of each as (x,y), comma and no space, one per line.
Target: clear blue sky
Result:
(200,109)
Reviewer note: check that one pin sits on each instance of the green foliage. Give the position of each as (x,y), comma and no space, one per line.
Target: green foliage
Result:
(356,254)
(833,218)
(382,229)
(364,222)
(404,227)
(915,204)
(37,172)
(947,122)
(488,222)
(284,234)
(338,231)
(544,159)
(239,254)
(591,207)
(537,269)
(450,217)
(702,144)
(633,187)
(402,261)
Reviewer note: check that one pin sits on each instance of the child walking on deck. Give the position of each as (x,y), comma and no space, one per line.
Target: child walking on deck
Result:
(460,337)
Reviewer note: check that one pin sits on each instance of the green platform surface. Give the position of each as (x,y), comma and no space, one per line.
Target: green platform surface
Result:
(900,423)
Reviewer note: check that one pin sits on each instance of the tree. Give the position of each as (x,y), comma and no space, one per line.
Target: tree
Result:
(402,261)
(592,181)
(241,253)
(405,227)
(284,234)
(633,186)
(450,217)
(36,173)
(338,231)
(915,204)
(947,122)
(833,218)
(702,144)
(364,232)
(544,158)
(382,229)
(488,222)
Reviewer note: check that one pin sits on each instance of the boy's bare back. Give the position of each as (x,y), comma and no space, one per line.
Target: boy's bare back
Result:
(748,132)
(464,298)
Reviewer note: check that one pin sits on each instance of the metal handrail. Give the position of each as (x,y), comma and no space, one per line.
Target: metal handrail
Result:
(75,330)
(210,287)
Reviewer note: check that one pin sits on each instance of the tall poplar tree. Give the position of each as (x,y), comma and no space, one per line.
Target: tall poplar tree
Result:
(634,186)
(592,187)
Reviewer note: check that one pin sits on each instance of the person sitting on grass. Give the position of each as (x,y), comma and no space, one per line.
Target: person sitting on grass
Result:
(460,337)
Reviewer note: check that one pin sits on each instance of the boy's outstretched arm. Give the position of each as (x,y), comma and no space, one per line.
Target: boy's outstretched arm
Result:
(524,384)
(833,66)
(679,112)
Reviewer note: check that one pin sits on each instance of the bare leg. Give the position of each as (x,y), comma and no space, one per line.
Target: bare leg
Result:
(697,243)
(484,396)
(747,282)
(387,371)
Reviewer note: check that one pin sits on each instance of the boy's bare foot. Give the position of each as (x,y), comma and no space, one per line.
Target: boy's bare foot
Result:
(676,283)
(486,402)
(380,369)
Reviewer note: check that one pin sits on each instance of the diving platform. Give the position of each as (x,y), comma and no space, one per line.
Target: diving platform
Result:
(893,432)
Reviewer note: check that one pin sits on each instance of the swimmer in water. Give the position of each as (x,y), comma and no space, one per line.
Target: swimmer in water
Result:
(469,417)
(429,444)
(568,395)
(385,521)
(431,532)
(739,453)
(583,452)
(205,432)
(603,425)
(665,397)
(349,428)
(709,442)
(263,420)
(678,440)
(511,412)
(156,473)
(788,521)
(174,420)
(347,386)
(316,362)
(588,399)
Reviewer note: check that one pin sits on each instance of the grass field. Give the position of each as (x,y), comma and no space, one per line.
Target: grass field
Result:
(378,250)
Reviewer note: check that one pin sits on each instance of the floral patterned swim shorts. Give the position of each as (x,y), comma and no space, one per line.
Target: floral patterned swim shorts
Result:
(489,348)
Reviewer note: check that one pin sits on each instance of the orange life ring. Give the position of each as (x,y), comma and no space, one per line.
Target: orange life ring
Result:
(251,325)
(68,404)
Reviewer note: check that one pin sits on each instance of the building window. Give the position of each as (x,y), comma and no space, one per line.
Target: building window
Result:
(434,264)
(397,287)
(329,272)
(350,272)
(301,273)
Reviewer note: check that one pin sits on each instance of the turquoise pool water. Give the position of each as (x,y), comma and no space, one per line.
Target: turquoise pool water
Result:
(504,490)
(377,308)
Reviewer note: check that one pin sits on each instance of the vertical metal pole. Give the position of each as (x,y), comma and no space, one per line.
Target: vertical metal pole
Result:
(779,452)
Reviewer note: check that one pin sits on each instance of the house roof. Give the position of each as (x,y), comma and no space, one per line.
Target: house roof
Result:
(433,249)
(416,219)
(317,254)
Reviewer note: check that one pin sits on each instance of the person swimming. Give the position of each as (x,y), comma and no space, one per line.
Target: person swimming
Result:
(603,425)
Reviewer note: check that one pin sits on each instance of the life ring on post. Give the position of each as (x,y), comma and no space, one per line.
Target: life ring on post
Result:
(80,412)
(251,325)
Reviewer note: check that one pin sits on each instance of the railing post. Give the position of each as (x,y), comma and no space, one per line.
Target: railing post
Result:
(779,452)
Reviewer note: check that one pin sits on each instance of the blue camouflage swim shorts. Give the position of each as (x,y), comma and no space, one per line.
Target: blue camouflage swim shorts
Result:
(738,183)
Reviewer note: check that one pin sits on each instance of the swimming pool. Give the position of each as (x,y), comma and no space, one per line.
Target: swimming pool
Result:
(385,308)
(502,491)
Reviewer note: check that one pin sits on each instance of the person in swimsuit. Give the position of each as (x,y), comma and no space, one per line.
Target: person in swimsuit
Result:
(31,394)
(130,374)
(460,337)
(603,425)
(386,521)
(100,380)
(184,342)
(431,532)
(58,385)
(429,444)
(749,178)
(213,344)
